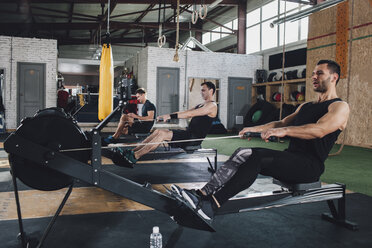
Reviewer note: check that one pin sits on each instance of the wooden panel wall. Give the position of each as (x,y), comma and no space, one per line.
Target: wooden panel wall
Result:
(356,88)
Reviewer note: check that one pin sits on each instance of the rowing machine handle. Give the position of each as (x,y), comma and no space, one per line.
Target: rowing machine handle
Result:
(258,135)
(161,120)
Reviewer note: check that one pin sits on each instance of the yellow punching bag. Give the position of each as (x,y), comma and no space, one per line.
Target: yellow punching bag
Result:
(106,81)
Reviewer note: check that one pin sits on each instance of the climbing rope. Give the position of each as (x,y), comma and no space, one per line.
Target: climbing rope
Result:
(162,39)
(176,57)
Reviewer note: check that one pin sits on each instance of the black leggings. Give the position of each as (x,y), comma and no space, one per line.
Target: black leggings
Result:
(249,162)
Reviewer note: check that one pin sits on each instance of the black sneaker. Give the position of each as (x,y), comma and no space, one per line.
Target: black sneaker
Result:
(119,158)
(176,189)
(202,205)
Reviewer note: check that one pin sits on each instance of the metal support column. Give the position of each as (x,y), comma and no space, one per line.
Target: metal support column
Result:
(242,26)
(198,34)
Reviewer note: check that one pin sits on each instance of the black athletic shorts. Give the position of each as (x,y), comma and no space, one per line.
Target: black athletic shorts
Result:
(183,135)
(138,127)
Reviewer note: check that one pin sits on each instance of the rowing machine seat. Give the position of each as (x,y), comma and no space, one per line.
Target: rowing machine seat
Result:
(298,186)
(191,149)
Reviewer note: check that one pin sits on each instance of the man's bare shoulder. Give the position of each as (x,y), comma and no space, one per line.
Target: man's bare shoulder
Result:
(210,104)
(339,105)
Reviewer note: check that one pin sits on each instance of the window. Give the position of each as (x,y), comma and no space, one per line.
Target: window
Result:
(224,30)
(213,36)
(305,6)
(290,7)
(229,25)
(269,35)
(291,32)
(304,28)
(261,36)
(253,39)
(235,24)
(253,17)
(270,10)
(206,38)
(216,36)
(190,45)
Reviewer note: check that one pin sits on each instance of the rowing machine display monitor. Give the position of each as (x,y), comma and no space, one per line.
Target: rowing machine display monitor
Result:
(124,89)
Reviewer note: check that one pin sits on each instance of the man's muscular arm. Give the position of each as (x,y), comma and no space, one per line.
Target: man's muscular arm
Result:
(274,124)
(336,118)
(209,109)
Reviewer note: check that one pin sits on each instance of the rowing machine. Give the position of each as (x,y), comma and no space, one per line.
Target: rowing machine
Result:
(35,158)
(294,193)
(291,194)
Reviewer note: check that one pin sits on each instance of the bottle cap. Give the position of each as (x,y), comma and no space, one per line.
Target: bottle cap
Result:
(155,229)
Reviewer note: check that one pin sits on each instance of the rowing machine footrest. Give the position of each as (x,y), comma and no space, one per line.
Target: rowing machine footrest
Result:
(298,186)
(191,149)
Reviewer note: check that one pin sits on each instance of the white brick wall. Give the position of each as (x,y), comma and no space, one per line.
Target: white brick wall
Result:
(193,64)
(30,50)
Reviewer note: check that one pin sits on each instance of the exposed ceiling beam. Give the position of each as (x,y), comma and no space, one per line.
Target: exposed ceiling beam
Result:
(71,11)
(44,15)
(138,12)
(88,26)
(64,12)
(25,9)
(113,41)
(310,2)
(224,2)
(218,24)
(219,10)
(104,19)
(182,9)
(144,13)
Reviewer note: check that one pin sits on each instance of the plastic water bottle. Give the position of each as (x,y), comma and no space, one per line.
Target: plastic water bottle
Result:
(156,238)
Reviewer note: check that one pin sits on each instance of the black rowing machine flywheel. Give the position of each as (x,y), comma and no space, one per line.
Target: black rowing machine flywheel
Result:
(54,129)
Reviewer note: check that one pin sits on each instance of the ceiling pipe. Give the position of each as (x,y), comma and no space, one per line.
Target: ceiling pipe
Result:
(215,3)
(306,12)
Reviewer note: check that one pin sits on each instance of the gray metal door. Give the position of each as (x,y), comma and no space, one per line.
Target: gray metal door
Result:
(167,85)
(239,99)
(31,89)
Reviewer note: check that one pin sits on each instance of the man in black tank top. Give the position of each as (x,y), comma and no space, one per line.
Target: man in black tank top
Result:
(201,121)
(313,129)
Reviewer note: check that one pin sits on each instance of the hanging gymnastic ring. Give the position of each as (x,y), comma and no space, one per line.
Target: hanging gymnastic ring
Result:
(194,17)
(161,41)
(205,8)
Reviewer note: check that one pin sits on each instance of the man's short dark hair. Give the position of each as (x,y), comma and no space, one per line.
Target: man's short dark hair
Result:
(332,66)
(141,91)
(209,85)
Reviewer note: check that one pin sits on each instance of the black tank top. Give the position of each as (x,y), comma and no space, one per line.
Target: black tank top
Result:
(200,125)
(320,147)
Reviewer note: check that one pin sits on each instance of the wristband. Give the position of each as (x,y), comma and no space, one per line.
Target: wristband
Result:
(174,116)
